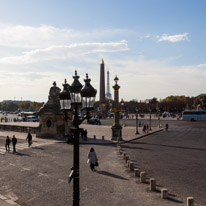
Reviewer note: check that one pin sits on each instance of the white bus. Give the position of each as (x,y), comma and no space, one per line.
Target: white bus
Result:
(194,115)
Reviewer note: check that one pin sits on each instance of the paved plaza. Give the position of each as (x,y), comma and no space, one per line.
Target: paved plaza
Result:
(38,175)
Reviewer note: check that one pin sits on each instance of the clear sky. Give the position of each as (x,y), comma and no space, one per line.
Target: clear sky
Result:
(156,48)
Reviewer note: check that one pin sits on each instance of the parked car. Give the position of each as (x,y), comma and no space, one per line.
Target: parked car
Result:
(94,121)
(32,118)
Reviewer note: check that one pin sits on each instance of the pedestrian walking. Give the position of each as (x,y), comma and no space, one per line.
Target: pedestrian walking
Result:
(7,144)
(147,128)
(85,134)
(14,141)
(29,139)
(144,128)
(92,159)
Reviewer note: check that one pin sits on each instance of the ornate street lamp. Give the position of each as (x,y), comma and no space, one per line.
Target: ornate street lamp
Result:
(80,98)
(65,99)
(137,110)
(116,127)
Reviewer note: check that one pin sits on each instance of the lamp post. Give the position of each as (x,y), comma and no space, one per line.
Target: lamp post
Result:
(123,116)
(116,127)
(150,120)
(158,118)
(73,98)
(137,110)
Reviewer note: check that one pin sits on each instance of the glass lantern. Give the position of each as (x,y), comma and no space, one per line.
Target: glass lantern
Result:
(88,94)
(65,99)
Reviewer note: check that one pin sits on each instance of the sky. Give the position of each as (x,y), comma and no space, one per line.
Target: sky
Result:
(155,47)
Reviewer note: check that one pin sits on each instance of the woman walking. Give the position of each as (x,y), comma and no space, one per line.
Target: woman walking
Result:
(92,159)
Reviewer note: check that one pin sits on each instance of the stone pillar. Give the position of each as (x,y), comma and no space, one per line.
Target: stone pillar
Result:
(116,127)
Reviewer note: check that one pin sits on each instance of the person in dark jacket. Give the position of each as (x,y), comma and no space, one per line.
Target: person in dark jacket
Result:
(7,144)
(29,139)
(14,141)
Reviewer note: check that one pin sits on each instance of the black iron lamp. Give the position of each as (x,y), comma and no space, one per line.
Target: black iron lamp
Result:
(65,99)
(75,97)
(75,89)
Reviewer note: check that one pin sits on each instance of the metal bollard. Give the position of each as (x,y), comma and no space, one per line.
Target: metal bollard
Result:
(136,172)
(131,166)
(102,137)
(94,137)
(164,193)
(152,184)
(190,201)
(143,177)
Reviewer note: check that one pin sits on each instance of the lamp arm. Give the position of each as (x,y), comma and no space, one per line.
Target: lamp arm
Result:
(77,121)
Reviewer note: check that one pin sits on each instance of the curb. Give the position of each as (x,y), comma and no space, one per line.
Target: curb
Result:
(142,136)
(103,142)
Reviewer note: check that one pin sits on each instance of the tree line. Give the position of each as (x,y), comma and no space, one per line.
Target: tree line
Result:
(13,106)
(172,104)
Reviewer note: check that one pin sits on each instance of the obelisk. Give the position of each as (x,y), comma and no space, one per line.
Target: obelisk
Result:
(102,83)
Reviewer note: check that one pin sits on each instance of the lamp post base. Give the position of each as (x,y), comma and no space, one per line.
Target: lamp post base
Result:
(117,133)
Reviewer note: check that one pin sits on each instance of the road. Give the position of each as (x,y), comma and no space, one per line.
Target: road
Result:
(175,158)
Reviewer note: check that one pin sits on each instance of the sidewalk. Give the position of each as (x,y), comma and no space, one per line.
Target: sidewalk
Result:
(128,134)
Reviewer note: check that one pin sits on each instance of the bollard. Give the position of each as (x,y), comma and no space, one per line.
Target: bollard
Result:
(128,162)
(164,193)
(190,201)
(152,184)
(131,166)
(120,150)
(136,172)
(126,158)
(102,137)
(124,155)
(143,177)
(94,137)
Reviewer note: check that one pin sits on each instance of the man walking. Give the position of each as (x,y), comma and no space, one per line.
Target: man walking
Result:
(29,139)
(14,141)
(7,144)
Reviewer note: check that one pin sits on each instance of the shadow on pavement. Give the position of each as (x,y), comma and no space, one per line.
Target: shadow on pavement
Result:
(111,175)
(171,197)
(37,148)
(173,146)
(21,154)
(131,147)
